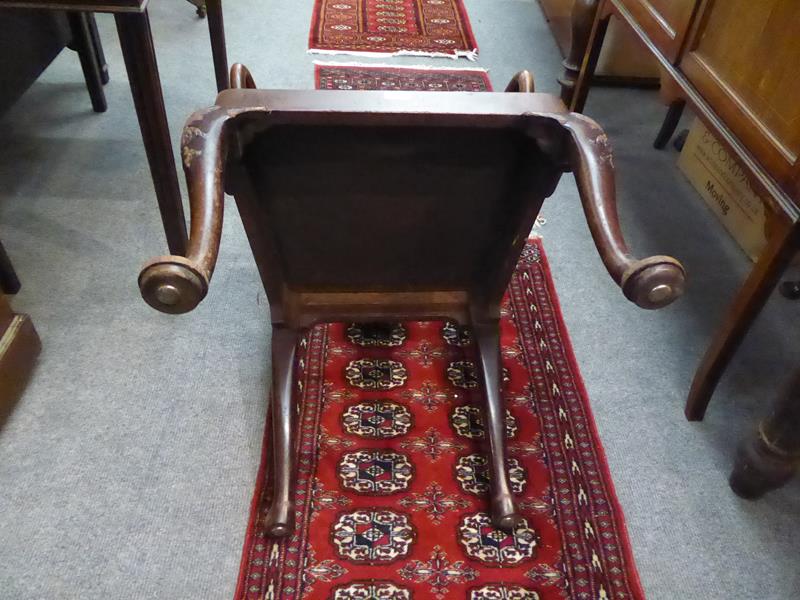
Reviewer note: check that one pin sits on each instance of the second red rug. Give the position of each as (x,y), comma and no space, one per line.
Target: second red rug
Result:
(332,76)
(391,28)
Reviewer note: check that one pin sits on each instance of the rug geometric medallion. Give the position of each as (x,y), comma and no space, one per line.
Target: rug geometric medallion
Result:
(391,28)
(391,498)
(381,77)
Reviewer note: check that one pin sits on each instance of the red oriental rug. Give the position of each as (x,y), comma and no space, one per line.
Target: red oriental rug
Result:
(392,28)
(392,485)
(332,76)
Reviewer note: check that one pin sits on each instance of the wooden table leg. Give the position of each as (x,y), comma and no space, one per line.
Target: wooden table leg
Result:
(769,458)
(98,49)
(671,120)
(743,311)
(216,30)
(594,44)
(83,43)
(136,42)
(582,18)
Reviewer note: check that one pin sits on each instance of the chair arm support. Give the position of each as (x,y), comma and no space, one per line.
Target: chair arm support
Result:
(652,282)
(241,78)
(521,82)
(177,284)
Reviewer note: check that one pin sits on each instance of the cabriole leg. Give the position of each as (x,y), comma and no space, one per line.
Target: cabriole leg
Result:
(503,509)
(280,517)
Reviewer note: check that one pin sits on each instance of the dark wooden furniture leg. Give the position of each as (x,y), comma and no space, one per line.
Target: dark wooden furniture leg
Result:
(743,311)
(83,44)
(20,346)
(216,30)
(583,13)
(140,61)
(769,458)
(503,509)
(280,517)
(580,89)
(98,49)
(9,282)
(671,120)
(790,290)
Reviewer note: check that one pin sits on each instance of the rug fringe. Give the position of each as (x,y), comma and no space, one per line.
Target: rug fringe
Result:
(471,55)
(323,63)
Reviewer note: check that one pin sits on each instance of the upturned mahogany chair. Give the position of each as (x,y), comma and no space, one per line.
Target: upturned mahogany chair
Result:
(377,206)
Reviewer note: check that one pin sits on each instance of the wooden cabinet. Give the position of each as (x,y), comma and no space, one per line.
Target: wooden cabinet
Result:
(735,63)
(743,58)
(666,22)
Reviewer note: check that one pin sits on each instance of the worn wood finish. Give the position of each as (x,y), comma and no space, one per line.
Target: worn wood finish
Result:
(19,347)
(769,458)
(441,188)
(737,78)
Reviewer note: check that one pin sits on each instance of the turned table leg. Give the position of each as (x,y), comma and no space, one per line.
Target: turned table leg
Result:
(769,458)
(140,61)
(587,66)
(582,18)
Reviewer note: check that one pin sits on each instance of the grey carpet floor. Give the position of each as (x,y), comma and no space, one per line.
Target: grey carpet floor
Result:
(127,467)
